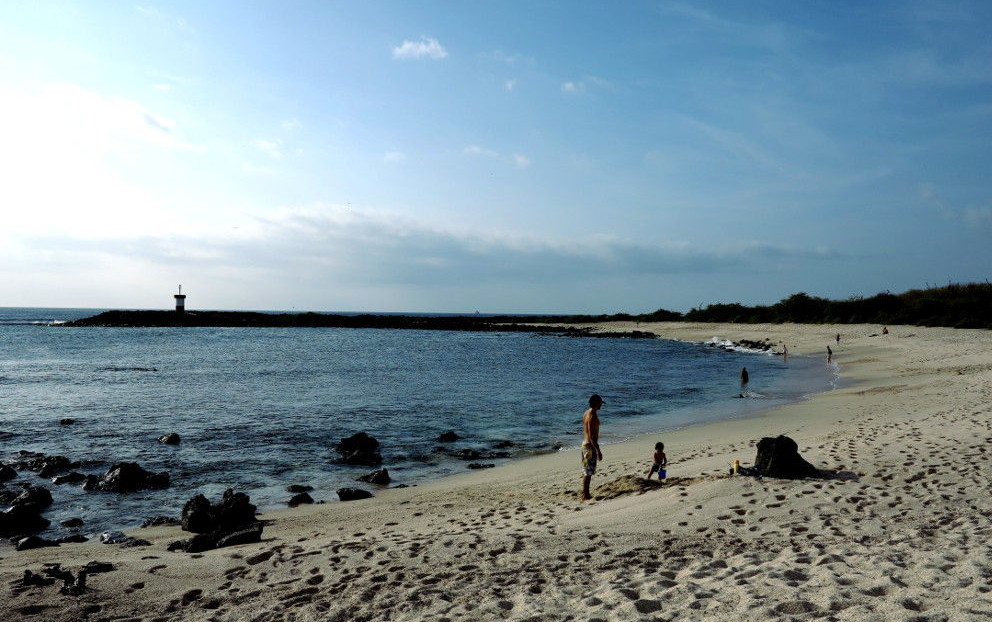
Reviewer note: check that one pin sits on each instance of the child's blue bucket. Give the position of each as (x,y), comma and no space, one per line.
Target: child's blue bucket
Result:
(662,473)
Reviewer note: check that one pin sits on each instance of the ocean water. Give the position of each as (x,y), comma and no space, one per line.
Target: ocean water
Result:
(259,409)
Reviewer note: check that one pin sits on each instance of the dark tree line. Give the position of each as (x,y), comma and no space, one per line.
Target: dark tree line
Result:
(954,305)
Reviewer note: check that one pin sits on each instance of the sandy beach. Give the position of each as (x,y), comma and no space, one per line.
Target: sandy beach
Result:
(900,529)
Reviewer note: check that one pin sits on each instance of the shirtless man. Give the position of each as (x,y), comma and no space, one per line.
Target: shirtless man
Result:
(591,454)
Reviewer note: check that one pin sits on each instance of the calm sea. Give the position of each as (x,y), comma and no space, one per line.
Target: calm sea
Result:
(259,409)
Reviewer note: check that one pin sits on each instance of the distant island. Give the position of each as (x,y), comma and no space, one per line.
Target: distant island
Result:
(954,305)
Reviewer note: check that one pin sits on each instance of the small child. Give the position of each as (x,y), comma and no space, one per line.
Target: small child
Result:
(660,462)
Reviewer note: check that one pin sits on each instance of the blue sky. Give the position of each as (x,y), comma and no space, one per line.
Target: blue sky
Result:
(500,156)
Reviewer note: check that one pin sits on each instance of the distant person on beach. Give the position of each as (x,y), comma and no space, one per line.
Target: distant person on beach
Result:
(885,330)
(745,378)
(591,453)
(658,462)
(785,353)
(830,354)
(838,337)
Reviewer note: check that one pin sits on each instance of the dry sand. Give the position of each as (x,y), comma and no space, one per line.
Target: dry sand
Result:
(901,531)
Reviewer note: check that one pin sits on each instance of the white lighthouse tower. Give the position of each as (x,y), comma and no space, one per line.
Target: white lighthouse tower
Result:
(180,300)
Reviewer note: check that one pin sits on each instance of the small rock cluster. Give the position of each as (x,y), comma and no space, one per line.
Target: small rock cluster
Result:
(226,523)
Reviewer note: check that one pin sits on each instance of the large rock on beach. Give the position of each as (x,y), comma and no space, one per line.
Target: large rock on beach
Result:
(234,511)
(127,477)
(216,540)
(353,494)
(360,449)
(779,457)
(302,498)
(33,542)
(227,523)
(448,437)
(169,439)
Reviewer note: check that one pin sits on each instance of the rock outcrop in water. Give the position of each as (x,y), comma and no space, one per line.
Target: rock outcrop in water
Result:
(127,477)
(7,473)
(45,466)
(360,449)
(24,515)
(379,477)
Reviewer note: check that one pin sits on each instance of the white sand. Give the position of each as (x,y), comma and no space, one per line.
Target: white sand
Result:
(901,532)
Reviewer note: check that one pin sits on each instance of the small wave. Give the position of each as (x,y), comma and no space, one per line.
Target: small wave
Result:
(733,346)
(115,368)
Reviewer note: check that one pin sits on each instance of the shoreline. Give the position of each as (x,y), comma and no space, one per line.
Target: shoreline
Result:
(900,531)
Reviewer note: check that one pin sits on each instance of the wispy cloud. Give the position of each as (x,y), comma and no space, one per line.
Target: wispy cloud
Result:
(977,216)
(425,48)
(521,161)
(343,245)
(394,157)
(272,148)
(475,150)
(164,19)
(510,59)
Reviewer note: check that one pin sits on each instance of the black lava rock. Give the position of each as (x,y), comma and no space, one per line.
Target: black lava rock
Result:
(127,477)
(779,457)
(379,477)
(299,499)
(353,494)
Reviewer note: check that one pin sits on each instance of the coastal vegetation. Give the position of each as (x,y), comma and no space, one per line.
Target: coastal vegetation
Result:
(953,305)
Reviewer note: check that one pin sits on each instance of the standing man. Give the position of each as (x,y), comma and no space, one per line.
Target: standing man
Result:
(591,453)
(744,380)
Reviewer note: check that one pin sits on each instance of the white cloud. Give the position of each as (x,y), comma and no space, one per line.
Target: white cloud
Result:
(572,87)
(63,156)
(425,48)
(510,59)
(273,148)
(394,157)
(521,161)
(509,85)
(977,216)
(291,124)
(337,244)
(367,258)
(475,150)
